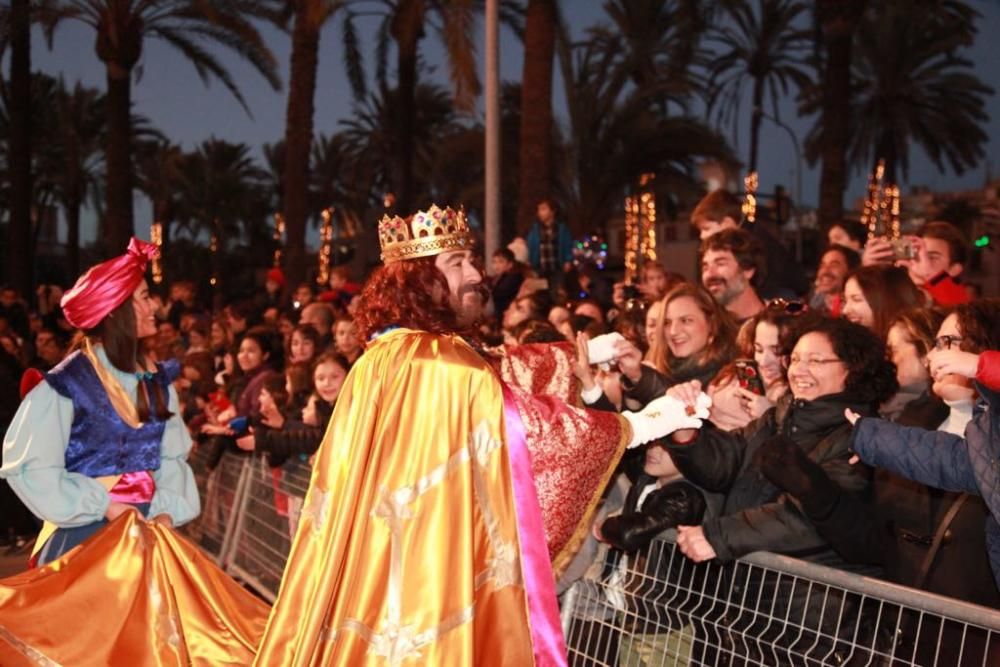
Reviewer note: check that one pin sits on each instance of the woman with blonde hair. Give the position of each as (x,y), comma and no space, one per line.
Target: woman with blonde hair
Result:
(694,339)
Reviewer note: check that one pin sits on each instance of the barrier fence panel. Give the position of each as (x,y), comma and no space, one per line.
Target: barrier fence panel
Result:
(654,607)
(265,530)
(659,608)
(222,492)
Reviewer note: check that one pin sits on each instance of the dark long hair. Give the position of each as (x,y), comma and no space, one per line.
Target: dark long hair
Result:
(117,333)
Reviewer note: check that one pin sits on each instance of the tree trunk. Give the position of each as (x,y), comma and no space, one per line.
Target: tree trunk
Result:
(407,29)
(20,259)
(298,141)
(839,20)
(755,120)
(119,226)
(72,211)
(536,110)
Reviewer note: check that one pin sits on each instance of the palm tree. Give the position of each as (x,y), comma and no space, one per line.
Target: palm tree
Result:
(616,133)
(310,17)
(912,86)
(535,160)
(405,22)
(222,194)
(78,136)
(766,46)
(189,26)
(838,22)
(20,259)
(372,133)
(159,175)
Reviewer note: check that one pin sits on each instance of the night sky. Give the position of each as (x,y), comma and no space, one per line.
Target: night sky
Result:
(172,96)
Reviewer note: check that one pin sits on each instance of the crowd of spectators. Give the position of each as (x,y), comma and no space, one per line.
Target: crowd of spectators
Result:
(790,363)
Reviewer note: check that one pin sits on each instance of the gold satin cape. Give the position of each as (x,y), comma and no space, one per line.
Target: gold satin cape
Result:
(407,551)
(135,594)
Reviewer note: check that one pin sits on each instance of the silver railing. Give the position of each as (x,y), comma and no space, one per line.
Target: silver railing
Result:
(653,607)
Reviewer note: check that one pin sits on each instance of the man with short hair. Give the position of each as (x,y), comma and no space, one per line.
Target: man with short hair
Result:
(430,453)
(720,210)
(321,316)
(732,266)
(939,257)
(836,263)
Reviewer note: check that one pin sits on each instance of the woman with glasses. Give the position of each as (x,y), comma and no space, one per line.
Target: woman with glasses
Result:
(833,365)
(965,349)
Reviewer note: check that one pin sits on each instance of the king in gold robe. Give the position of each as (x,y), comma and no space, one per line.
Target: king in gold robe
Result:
(422,540)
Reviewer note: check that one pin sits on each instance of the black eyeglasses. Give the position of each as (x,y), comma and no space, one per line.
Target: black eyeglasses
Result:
(945,342)
(787,306)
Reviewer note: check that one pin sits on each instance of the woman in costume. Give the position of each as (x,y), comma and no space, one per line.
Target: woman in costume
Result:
(94,445)
(101,434)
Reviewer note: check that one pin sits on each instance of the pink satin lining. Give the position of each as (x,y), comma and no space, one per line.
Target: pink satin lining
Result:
(134,488)
(543,611)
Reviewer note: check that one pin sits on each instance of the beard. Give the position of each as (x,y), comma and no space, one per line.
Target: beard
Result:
(725,291)
(469,303)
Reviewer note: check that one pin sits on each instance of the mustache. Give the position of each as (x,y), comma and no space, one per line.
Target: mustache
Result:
(479,289)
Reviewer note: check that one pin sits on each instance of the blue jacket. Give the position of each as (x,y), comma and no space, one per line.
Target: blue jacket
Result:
(942,460)
(564,245)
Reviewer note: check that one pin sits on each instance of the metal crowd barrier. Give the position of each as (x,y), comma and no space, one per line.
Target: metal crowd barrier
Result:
(655,607)
(659,608)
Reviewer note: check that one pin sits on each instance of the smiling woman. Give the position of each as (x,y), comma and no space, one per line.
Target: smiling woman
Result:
(694,338)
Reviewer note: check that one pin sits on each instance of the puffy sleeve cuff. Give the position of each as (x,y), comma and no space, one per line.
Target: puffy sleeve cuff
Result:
(592,395)
(176,492)
(34,451)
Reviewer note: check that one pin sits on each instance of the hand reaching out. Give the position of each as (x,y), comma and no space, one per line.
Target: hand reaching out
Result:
(693,544)
(581,367)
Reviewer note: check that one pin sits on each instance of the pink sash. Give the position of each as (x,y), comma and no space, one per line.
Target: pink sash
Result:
(543,612)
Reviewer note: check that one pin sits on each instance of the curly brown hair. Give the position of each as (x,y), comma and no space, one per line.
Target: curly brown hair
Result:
(979,322)
(403,294)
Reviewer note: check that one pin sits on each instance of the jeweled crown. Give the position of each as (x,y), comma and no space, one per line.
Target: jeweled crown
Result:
(423,234)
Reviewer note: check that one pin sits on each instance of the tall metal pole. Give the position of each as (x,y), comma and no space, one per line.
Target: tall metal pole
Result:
(492,128)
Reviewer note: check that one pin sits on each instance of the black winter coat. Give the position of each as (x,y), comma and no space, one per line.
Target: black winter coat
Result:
(295,438)
(756,515)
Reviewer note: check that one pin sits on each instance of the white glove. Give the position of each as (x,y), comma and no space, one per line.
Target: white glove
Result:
(601,350)
(663,416)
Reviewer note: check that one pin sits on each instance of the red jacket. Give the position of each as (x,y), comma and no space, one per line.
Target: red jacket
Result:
(988,371)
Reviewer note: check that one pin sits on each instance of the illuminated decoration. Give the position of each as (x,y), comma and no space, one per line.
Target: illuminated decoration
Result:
(156,237)
(591,250)
(881,210)
(749,207)
(325,246)
(213,247)
(640,227)
(279,233)
(982,241)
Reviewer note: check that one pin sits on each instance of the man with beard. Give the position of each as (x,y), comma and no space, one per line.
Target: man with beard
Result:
(732,267)
(835,265)
(439,485)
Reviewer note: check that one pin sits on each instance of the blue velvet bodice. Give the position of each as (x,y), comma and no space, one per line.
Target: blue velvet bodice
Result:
(100,442)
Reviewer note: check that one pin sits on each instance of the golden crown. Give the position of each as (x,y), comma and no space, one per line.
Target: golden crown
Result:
(423,234)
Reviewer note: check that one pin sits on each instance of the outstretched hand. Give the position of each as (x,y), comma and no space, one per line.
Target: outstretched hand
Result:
(692,542)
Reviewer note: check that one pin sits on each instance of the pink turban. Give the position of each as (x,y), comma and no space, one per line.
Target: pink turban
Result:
(106,286)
